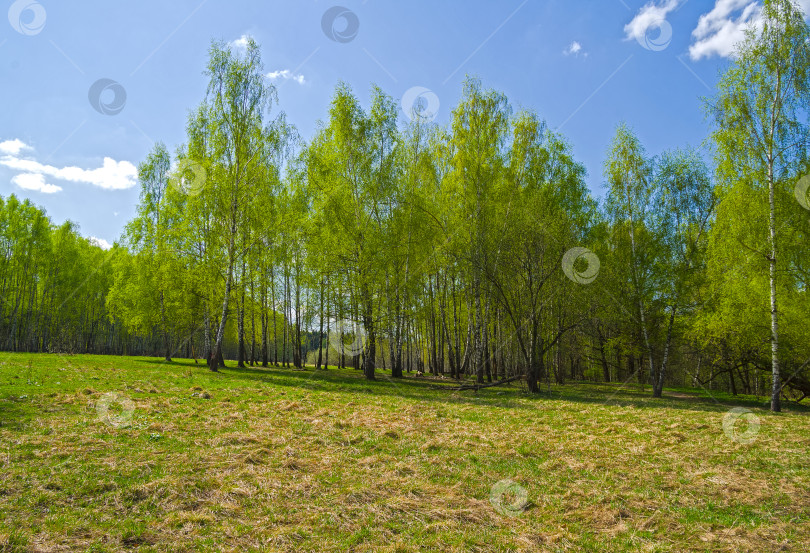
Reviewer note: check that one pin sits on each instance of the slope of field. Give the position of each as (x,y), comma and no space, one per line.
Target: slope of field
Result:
(115,454)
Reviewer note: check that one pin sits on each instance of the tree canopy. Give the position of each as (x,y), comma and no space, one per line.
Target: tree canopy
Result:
(472,250)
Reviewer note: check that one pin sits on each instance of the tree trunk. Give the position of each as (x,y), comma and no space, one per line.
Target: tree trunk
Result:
(284,359)
(273,312)
(207,337)
(776,393)
(371,347)
(603,358)
(658,384)
(299,363)
(216,355)
(328,315)
(456,332)
(252,324)
(240,356)
(166,345)
(320,331)
(264,326)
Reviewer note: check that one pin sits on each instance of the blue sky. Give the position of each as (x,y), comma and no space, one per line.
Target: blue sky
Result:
(582,65)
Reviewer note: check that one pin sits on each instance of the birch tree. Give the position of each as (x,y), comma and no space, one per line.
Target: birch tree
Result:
(761,134)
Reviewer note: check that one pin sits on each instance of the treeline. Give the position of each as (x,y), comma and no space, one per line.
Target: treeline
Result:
(471,250)
(54,287)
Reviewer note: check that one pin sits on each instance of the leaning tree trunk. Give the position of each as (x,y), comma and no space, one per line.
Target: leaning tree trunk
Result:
(658,385)
(216,354)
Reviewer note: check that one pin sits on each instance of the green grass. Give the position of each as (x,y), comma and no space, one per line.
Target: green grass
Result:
(286,460)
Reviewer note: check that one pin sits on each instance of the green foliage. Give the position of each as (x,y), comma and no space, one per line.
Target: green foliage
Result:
(54,285)
(456,249)
(761,137)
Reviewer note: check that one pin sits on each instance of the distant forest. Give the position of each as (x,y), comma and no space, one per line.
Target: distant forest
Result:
(471,250)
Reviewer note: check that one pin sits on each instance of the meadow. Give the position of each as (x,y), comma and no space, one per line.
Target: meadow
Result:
(101,453)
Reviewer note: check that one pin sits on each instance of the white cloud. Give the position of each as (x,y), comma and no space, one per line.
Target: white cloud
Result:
(36,182)
(13,147)
(100,242)
(240,43)
(574,49)
(112,175)
(286,74)
(648,18)
(721,29)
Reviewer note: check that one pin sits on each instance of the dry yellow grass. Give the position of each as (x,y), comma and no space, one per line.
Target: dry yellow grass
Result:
(290,461)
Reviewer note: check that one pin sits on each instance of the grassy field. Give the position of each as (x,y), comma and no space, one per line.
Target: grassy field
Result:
(115,454)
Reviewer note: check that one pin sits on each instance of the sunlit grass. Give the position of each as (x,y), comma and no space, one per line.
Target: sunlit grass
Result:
(181,459)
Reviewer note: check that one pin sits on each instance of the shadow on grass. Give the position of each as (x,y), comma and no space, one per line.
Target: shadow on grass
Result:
(17,412)
(352,381)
